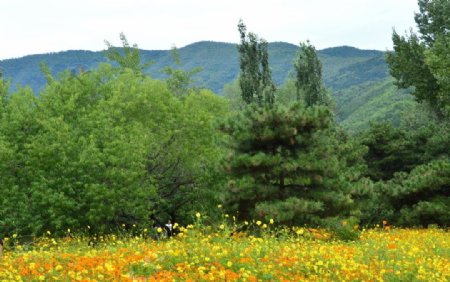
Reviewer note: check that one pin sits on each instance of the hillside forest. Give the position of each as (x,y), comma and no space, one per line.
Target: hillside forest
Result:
(108,147)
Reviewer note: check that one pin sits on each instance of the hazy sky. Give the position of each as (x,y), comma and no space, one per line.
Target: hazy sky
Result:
(42,26)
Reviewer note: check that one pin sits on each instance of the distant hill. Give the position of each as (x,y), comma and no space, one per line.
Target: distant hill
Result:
(355,77)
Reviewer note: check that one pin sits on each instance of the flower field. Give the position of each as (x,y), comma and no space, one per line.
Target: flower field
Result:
(294,254)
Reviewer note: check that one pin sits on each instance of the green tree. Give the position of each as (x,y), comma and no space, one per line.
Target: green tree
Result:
(232,93)
(255,78)
(284,164)
(126,57)
(390,150)
(419,198)
(308,77)
(420,61)
(105,148)
(179,81)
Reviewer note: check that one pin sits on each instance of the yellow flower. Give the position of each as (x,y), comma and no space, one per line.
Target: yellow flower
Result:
(219,206)
(159,230)
(229,263)
(258,222)
(222,226)
(264,226)
(198,215)
(271,221)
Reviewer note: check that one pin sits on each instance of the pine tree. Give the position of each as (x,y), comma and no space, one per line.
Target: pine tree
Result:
(285,165)
(421,197)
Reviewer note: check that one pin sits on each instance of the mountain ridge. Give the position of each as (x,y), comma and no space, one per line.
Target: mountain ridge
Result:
(348,72)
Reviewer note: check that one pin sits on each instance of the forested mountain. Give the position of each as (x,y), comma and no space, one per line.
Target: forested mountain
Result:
(358,79)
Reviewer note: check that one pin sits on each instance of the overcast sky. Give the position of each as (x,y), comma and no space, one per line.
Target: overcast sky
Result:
(42,26)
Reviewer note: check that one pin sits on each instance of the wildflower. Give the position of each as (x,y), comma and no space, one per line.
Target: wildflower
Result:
(246,222)
(222,226)
(264,226)
(258,222)
(219,206)
(198,215)
(271,221)
(14,235)
(159,230)
(300,231)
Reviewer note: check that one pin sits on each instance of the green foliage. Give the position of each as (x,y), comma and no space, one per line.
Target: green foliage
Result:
(421,197)
(127,57)
(407,65)
(179,81)
(345,230)
(255,78)
(355,77)
(403,160)
(390,151)
(421,61)
(438,60)
(433,19)
(284,164)
(308,77)
(105,148)
(232,92)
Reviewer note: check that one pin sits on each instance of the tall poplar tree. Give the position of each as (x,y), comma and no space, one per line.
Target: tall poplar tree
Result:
(255,78)
(284,163)
(308,77)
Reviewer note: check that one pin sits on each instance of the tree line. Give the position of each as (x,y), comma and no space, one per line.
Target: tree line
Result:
(111,147)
